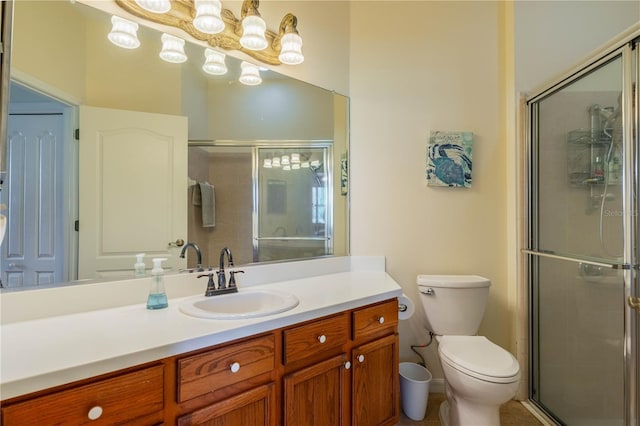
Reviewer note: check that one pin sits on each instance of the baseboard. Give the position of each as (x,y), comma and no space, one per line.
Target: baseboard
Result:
(436,386)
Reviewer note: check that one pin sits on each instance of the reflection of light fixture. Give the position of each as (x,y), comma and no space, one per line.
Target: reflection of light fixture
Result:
(247,34)
(214,63)
(295,166)
(267,163)
(315,164)
(250,74)
(124,33)
(172,49)
(304,165)
(290,41)
(253,27)
(287,168)
(276,162)
(295,158)
(208,19)
(285,160)
(155,6)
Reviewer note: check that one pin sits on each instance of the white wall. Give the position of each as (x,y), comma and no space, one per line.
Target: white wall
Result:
(434,67)
(553,36)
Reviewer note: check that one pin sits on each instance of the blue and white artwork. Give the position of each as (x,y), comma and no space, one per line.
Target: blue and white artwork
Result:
(449,159)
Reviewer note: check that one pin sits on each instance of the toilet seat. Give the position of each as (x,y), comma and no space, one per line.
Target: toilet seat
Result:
(478,357)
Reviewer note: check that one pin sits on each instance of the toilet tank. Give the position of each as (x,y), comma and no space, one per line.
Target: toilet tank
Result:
(453,304)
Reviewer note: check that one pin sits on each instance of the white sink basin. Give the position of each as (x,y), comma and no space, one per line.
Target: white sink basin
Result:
(244,304)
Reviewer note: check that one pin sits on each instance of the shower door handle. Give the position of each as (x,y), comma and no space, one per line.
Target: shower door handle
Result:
(634,303)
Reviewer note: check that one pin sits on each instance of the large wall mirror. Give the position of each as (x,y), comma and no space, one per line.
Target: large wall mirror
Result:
(156,142)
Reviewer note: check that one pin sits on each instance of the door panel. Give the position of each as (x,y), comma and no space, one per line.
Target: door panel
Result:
(114,146)
(35,149)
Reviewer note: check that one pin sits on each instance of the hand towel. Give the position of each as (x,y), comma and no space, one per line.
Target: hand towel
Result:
(208,198)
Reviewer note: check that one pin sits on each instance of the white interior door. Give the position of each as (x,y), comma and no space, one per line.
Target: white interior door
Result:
(132,190)
(33,249)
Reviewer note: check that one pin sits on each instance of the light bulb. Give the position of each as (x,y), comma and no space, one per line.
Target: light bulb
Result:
(291,51)
(172,49)
(250,74)
(124,33)
(253,30)
(155,6)
(208,19)
(214,62)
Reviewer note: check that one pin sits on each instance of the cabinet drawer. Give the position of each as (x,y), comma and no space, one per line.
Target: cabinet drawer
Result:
(224,366)
(375,319)
(309,339)
(117,400)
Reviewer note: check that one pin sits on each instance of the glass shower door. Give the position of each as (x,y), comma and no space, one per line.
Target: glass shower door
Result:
(293,199)
(577,247)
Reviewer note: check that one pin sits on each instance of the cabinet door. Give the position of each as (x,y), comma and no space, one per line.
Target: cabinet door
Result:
(315,395)
(255,407)
(375,383)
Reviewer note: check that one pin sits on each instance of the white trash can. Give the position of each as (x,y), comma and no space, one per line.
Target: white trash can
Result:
(414,389)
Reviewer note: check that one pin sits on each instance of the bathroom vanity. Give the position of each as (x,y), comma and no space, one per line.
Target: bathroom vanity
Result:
(331,360)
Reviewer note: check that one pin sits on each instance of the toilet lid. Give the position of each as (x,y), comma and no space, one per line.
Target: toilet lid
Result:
(479,358)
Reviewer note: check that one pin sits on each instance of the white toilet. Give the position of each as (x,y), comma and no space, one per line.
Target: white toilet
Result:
(479,375)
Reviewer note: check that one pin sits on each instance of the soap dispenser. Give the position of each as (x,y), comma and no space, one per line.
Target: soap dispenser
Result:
(139,266)
(157,296)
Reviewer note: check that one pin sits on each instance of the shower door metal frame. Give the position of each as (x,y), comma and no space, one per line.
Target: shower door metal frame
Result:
(327,145)
(626,46)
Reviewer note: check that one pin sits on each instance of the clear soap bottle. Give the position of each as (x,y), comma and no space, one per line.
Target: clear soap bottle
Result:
(139,266)
(157,296)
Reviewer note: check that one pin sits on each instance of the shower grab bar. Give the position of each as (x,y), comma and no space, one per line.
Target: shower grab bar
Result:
(582,261)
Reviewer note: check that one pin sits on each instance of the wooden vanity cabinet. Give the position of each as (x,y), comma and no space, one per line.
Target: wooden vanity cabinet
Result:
(132,397)
(337,370)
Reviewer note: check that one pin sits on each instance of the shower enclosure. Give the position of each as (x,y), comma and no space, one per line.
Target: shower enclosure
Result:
(582,242)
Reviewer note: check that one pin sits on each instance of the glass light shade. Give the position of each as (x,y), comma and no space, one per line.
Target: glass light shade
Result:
(208,19)
(295,166)
(250,74)
(214,62)
(155,6)
(295,158)
(124,33)
(291,50)
(253,29)
(304,164)
(285,160)
(267,163)
(276,162)
(287,168)
(172,49)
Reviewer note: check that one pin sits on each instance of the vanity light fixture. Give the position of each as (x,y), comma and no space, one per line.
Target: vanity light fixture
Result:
(214,62)
(267,163)
(304,164)
(295,158)
(199,19)
(285,160)
(295,166)
(286,168)
(290,41)
(124,33)
(315,164)
(172,49)
(208,19)
(155,6)
(276,162)
(250,74)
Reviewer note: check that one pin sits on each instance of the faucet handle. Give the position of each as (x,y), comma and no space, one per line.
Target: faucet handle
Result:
(232,277)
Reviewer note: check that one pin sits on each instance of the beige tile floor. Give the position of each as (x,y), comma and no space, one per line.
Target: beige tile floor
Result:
(512,413)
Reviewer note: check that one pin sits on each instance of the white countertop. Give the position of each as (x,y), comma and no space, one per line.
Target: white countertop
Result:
(41,353)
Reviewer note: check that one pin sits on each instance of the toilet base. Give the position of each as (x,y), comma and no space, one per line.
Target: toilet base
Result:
(443,413)
(469,414)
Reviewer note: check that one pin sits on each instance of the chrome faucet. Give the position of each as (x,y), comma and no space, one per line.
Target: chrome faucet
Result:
(198,254)
(222,279)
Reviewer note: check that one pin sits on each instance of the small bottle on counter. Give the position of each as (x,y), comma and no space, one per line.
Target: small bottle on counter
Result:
(139,266)
(157,296)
